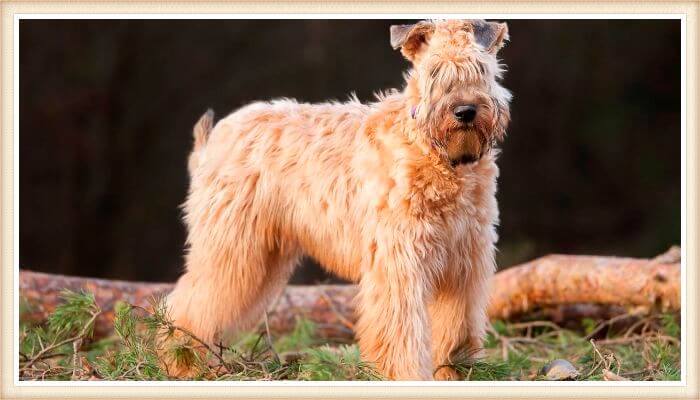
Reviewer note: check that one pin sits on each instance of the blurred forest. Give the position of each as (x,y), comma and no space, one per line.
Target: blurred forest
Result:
(591,164)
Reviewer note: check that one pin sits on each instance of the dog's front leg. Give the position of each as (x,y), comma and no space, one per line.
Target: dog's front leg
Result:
(393,324)
(458,309)
(459,320)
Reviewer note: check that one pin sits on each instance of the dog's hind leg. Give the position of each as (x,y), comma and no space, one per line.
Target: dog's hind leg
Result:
(236,264)
(207,304)
(212,302)
(209,300)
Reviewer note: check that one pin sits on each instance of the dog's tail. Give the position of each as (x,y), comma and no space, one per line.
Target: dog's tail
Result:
(202,129)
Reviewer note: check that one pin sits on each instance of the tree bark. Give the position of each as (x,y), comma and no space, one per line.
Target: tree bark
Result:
(551,282)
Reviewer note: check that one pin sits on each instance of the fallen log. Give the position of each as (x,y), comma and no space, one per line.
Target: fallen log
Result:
(556,282)
(557,279)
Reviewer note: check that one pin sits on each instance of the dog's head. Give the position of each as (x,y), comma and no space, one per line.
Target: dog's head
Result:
(455,96)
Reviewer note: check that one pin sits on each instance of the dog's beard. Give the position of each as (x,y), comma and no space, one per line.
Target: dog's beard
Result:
(465,146)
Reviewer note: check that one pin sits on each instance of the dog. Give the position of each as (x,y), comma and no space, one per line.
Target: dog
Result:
(397,195)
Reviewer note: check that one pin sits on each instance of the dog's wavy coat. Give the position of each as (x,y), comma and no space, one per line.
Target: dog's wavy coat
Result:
(398,195)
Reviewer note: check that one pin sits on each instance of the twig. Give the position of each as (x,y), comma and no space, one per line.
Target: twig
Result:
(504,348)
(634,373)
(252,353)
(611,376)
(548,334)
(522,339)
(636,338)
(596,366)
(268,337)
(45,350)
(128,371)
(532,324)
(610,322)
(221,347)
(77,364)
(643,321)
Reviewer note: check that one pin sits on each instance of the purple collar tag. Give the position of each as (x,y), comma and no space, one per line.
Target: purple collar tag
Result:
(413,111)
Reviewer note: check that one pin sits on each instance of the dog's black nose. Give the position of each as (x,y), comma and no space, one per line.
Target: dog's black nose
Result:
(465,114)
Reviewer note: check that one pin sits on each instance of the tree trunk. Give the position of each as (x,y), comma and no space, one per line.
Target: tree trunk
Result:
(553,281)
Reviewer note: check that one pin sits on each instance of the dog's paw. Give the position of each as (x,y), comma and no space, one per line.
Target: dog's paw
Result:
(178,357)
(446,374)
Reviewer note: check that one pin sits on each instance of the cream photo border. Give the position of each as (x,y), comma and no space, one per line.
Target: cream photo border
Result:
(12,11)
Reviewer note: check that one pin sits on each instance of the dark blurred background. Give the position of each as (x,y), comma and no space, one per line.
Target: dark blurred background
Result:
(591,164)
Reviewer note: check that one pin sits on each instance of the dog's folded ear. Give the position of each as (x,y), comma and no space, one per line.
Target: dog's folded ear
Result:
(399,35)
(411,38)
(490,35)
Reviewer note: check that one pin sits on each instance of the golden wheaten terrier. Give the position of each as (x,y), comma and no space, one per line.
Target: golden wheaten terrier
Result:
(397,195)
